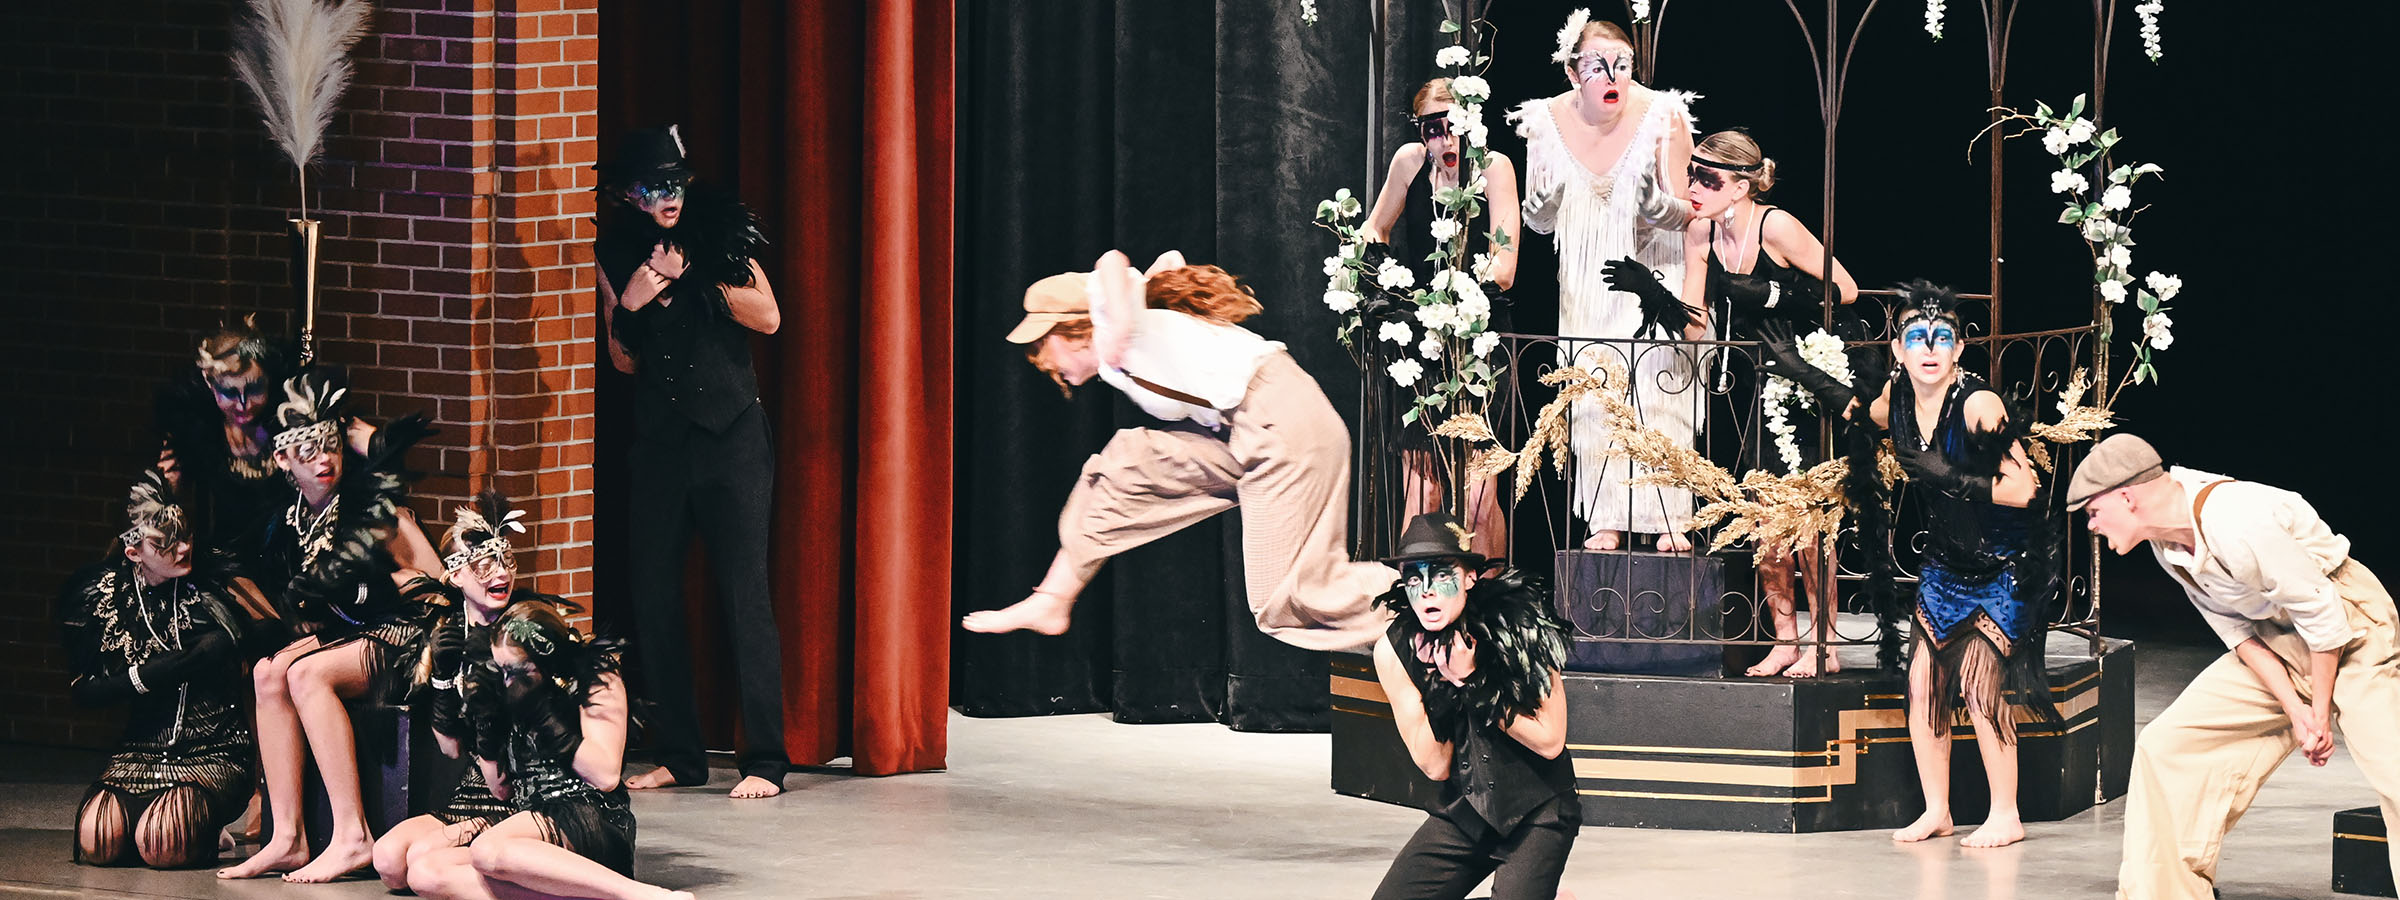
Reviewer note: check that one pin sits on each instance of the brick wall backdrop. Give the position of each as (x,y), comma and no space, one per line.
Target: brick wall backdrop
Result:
(146,206)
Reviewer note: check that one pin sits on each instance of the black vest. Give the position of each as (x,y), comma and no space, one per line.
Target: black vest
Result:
(1493,779)
(694,358)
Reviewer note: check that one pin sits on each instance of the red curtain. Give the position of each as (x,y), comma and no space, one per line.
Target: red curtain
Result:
(834,122)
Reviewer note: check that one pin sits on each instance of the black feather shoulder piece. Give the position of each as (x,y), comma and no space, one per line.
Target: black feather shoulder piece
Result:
(349,579)
(1870,507)
(1519,643)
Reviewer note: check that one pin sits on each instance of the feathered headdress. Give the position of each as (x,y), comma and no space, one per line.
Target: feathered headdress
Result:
(153,514)
(1571,35)
(294,57)
(481,531)
(234,348)
(311,414)
(1922,300)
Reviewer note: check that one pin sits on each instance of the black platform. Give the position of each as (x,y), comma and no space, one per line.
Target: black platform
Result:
(2362,860)
(1773,754)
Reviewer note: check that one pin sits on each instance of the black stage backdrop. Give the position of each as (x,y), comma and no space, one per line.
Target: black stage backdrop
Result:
(1216,128)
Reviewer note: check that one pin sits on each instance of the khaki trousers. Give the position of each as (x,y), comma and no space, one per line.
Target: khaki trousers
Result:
(1285,460)
(2199,765)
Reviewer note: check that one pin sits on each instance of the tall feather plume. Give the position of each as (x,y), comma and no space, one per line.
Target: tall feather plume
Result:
(294,57)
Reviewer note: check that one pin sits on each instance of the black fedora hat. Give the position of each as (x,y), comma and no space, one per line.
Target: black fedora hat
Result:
(1436,535)
(643,156)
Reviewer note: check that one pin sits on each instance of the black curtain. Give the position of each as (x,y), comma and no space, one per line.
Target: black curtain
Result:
(1211,128)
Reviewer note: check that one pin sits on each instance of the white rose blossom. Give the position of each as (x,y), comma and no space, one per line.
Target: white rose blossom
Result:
(1351,250)
(2112,291)
(2164,285)
(2116,197)
(1933,21)
(2120,255)
(1406,372)
(1341,301)
(1397,332)
(1437,317)
(1452,56)
(2066,180)
(1483,266)
(1473,309)
(2055,141)
(2079,130)
(1333,265)
(1394,276)
(2158,330)
(1430,347)
(1444,228)
(1308,12)
(1470,89)
(1641,10)
(1485,343)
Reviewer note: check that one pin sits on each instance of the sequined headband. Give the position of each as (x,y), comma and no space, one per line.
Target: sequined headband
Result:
(320,432)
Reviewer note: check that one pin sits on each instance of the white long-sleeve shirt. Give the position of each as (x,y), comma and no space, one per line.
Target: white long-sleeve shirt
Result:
(1206,359)
(2259,554)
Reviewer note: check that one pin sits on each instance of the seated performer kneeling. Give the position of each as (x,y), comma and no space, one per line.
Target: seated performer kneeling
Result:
(1471,665)
(551,706)
(482,568)
(2312,635)
(1991,553)
(156,630)
(1256,432)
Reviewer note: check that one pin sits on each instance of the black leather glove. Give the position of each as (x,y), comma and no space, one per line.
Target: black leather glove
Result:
(1660,308)
(1748,292)
(486,715)
(541,710)
(1779,355)
(1934,470)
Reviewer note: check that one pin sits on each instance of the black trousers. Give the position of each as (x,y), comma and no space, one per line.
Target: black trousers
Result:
(1443,862)
(720,484)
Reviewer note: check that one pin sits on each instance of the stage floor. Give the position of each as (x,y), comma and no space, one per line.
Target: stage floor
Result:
(1077,806)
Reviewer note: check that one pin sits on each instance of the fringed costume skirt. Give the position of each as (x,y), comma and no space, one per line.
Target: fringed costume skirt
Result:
(1969,629)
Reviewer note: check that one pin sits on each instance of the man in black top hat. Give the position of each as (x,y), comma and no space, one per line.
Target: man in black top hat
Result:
(682,295)
(1471,666)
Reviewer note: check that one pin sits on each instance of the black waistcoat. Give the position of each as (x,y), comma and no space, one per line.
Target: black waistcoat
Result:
(1494,779)
(694,359)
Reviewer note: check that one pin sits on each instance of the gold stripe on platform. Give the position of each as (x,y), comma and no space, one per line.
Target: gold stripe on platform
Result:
(2377,838)
(1648,795)
(1698,751)
(1360,689)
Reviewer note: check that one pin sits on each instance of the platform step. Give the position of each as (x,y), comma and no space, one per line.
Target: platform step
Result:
(1641,612)
(2362,858)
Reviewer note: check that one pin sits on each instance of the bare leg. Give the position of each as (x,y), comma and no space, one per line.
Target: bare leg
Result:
(1420,485)
(100,830)
(282,753)
(2003,827)
(1045,611)
(1487,520)
(398,847)
(1775,584)
(1931,743)
(447,874)
(173,832)
(511,860)
(1812,581)
(318,686)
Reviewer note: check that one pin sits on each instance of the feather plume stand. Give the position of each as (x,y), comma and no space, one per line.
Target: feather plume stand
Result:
(294,56)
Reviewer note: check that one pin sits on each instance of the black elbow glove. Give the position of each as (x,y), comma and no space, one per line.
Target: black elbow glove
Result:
(543,712)
(1934,470)
(1661,310)
(1779,355)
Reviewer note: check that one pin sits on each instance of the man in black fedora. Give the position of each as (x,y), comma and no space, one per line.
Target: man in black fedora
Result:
(1471,666)
(681,294)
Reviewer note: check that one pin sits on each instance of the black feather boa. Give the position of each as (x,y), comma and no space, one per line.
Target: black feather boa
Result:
(372,488)
(579,669)
(718,235)
(1519,644)
(1871,509)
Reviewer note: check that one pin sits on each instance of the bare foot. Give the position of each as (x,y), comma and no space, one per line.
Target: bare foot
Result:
(1039,612)
(753,787)
(340,858)
(282,854)
(1930,825)
(1603,540)
(1674,543)
(651,780)
(1996,831)
(1778,659)
(1806,667)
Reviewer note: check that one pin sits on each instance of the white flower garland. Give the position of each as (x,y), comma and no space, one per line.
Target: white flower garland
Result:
(2149,14)
(1308,12)
(2105,222)
(1819,349)
(1641,10)
(1933,18)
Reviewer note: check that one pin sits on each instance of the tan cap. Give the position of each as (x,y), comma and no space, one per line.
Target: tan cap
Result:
(2120,461)
(1058,298)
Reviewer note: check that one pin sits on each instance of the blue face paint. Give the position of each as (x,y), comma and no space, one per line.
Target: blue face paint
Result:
(1441,577)
(1933,335)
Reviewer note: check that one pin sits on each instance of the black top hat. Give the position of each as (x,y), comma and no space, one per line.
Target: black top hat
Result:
(647,155)
(1436,536)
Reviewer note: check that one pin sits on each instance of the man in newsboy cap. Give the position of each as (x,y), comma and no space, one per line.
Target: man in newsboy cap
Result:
(2312,638)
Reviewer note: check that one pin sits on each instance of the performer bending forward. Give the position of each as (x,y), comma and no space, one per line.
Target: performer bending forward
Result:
(1249,428)
(1605,165)
(1990,563)
(550,703)
(2312,636)
(1471,666)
